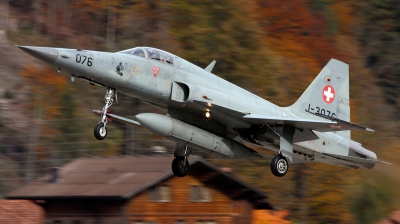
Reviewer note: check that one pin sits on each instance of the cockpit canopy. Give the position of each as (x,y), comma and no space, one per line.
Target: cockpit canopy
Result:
(151,53)
(137,51)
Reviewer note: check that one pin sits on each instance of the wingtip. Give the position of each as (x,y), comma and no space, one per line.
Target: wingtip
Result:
(369,129)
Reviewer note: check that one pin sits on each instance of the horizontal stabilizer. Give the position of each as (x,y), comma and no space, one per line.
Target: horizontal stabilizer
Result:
(342,124)
(356,160)
(303,123)
(299,123)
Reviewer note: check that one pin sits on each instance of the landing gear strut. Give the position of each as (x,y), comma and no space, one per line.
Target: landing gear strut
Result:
(100,130)
(180,165)
(279,165)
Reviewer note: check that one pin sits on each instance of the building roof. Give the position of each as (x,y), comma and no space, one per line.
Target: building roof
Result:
(20,211)
(394,217)
(125,177)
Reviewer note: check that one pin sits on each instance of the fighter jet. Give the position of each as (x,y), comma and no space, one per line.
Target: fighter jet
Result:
(212,115)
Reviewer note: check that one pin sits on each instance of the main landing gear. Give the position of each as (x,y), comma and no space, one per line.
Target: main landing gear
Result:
(279,165)
(100,130)
(180,165)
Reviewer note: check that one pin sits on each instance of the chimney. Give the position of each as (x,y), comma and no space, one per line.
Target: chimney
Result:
(55,175)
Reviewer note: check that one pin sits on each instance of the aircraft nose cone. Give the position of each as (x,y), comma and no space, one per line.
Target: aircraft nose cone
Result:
(46,54)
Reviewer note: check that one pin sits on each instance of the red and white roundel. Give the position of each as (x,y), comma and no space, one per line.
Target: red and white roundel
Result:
(328,94)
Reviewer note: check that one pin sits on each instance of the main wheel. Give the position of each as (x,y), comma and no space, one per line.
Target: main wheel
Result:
(279,166)
(100,132)
(180,166)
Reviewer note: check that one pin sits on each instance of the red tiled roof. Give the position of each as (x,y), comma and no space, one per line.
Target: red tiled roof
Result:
(20,212)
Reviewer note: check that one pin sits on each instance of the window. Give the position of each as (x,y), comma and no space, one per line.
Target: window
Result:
(200,193)
(160,56)
(138,52)
(160,193)
(134,51)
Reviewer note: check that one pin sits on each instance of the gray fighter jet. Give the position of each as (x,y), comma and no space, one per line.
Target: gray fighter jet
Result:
(210,114)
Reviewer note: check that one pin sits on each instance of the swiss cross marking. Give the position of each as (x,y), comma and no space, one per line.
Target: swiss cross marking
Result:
(328,94)
(155,70)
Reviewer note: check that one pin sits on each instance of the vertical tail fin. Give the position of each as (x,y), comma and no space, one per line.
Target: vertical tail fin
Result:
(327,94)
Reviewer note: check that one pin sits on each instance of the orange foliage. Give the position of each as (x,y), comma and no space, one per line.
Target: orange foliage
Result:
(47,87)
(267,216)
(294,31)
(344,15)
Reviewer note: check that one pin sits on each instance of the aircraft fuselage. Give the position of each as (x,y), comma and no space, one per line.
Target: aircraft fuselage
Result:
(187,89)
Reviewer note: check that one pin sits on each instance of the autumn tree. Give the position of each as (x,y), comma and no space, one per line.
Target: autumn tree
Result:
(379,35)
(210,30)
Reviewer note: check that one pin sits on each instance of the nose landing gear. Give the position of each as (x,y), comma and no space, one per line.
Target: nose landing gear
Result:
(100,130)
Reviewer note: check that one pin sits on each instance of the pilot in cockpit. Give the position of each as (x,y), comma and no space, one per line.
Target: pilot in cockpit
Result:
(154,55)
(138,52)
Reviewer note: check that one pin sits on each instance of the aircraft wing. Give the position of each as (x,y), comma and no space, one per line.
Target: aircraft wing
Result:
(213,106)
(328,125)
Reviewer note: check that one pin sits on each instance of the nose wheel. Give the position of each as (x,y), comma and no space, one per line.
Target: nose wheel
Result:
(279,165)
(180,165)
(100,130)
